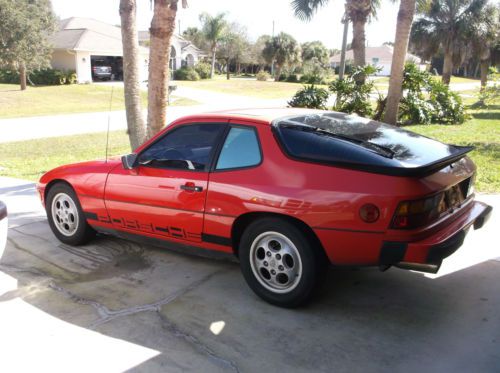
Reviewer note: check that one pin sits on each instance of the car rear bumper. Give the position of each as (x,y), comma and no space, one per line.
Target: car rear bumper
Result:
(427,255)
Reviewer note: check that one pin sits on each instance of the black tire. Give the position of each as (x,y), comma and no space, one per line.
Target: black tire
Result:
(81,231)
(312,264)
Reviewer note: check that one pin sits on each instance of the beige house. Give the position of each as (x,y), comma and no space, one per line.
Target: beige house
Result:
(377,56)
(80,44)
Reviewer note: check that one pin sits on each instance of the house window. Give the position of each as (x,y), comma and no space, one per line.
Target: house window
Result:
(375,60)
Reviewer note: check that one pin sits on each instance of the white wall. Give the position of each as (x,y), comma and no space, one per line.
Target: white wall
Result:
(83,68)
(63,60)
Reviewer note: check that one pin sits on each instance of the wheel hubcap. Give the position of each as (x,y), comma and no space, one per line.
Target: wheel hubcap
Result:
(64,214)
(275,262)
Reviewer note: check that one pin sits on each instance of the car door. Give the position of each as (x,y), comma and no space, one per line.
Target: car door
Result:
(165,193)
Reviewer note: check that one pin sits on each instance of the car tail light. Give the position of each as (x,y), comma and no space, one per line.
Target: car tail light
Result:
(414,214)
(369,213)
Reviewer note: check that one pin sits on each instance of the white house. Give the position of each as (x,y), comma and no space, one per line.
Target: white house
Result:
(182,51)
(377,56)
(81,43)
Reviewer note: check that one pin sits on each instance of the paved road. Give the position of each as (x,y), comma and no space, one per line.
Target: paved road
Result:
(18,129)
(115,306)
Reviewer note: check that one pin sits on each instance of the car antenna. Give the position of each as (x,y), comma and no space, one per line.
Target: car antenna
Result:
(109,120)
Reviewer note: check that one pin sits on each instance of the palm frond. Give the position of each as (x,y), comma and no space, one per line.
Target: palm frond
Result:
(305,9)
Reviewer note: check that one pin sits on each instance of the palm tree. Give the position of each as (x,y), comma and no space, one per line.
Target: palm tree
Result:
(213,28)
(161,31)
(405,19)
(284,50)
(447,25)
(132,91)
(357,11)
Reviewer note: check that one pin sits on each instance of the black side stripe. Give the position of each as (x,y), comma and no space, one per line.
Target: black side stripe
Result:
(219,240)
(90,215)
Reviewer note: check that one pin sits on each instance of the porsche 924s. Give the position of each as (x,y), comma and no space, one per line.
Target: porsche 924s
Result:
(287,191)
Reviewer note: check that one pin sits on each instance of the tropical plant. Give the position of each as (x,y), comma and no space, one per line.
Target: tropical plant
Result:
(132,91)
(357,11)
(403,28)
(310,97)
(448,25)
(284,50)
(428,101)
(491,93)
(315,51)
(213,28)
(25,29)
(263,76)
(351,96)
(186,73)
(203,70)
(161,31)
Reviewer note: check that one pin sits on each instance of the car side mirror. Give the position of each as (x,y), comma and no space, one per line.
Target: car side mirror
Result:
(129,161)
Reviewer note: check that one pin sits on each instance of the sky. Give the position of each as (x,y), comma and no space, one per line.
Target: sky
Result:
(257,16)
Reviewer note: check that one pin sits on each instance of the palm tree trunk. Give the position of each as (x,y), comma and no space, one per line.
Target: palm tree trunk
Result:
(132,90)
(212,67)
(358,42)
(485,64)
(405,19)
(22,75)
(161,31)
(447,66)
(277,73)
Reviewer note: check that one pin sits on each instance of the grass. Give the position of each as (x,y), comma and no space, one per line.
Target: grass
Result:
(245,87)
(30,159)
(64,99)
(483,132)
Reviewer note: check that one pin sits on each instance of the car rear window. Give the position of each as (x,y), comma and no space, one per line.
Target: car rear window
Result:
(339,138)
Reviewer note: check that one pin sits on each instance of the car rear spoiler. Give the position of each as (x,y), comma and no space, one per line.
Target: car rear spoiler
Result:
(420,171)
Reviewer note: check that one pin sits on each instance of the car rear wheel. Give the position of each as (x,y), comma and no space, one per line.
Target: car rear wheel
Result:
(279,262)
(65,215)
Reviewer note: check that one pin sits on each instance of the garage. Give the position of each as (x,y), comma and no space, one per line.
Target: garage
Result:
(106,68)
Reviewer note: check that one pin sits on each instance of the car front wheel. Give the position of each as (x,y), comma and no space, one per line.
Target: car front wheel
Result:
(279,262)
(65,215)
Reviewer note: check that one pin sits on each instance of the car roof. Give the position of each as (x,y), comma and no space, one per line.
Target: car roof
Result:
(262,115)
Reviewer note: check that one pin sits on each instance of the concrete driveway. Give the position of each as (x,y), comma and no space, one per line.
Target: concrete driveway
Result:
(116,306)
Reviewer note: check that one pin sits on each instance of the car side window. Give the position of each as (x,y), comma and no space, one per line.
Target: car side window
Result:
(240,149)
(187,147)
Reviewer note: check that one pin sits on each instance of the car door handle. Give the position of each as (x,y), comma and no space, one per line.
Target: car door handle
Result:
(191,188)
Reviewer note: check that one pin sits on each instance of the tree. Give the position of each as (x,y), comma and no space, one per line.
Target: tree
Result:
(256,49)
(233,46)
(447,25)
(195,36)
(284,50)
(161,31)
(25,29)
(213,28)
(357,11)
(405,20)
(132,89)
(315,49)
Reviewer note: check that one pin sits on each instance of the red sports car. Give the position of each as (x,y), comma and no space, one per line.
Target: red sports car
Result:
(287,191)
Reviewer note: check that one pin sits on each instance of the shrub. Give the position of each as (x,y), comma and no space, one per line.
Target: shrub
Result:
(40,77)
(351,96)
(310,97)
(263,76)
(203,70)
(312,79)
(186,73)
(292,78)
(427,100)
(491,93)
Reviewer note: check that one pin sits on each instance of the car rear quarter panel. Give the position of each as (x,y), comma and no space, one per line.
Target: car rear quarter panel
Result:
(326,198)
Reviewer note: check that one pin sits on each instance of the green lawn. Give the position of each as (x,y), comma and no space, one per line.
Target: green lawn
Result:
(29,159)
(483,132)
(64,99)
(245,87)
